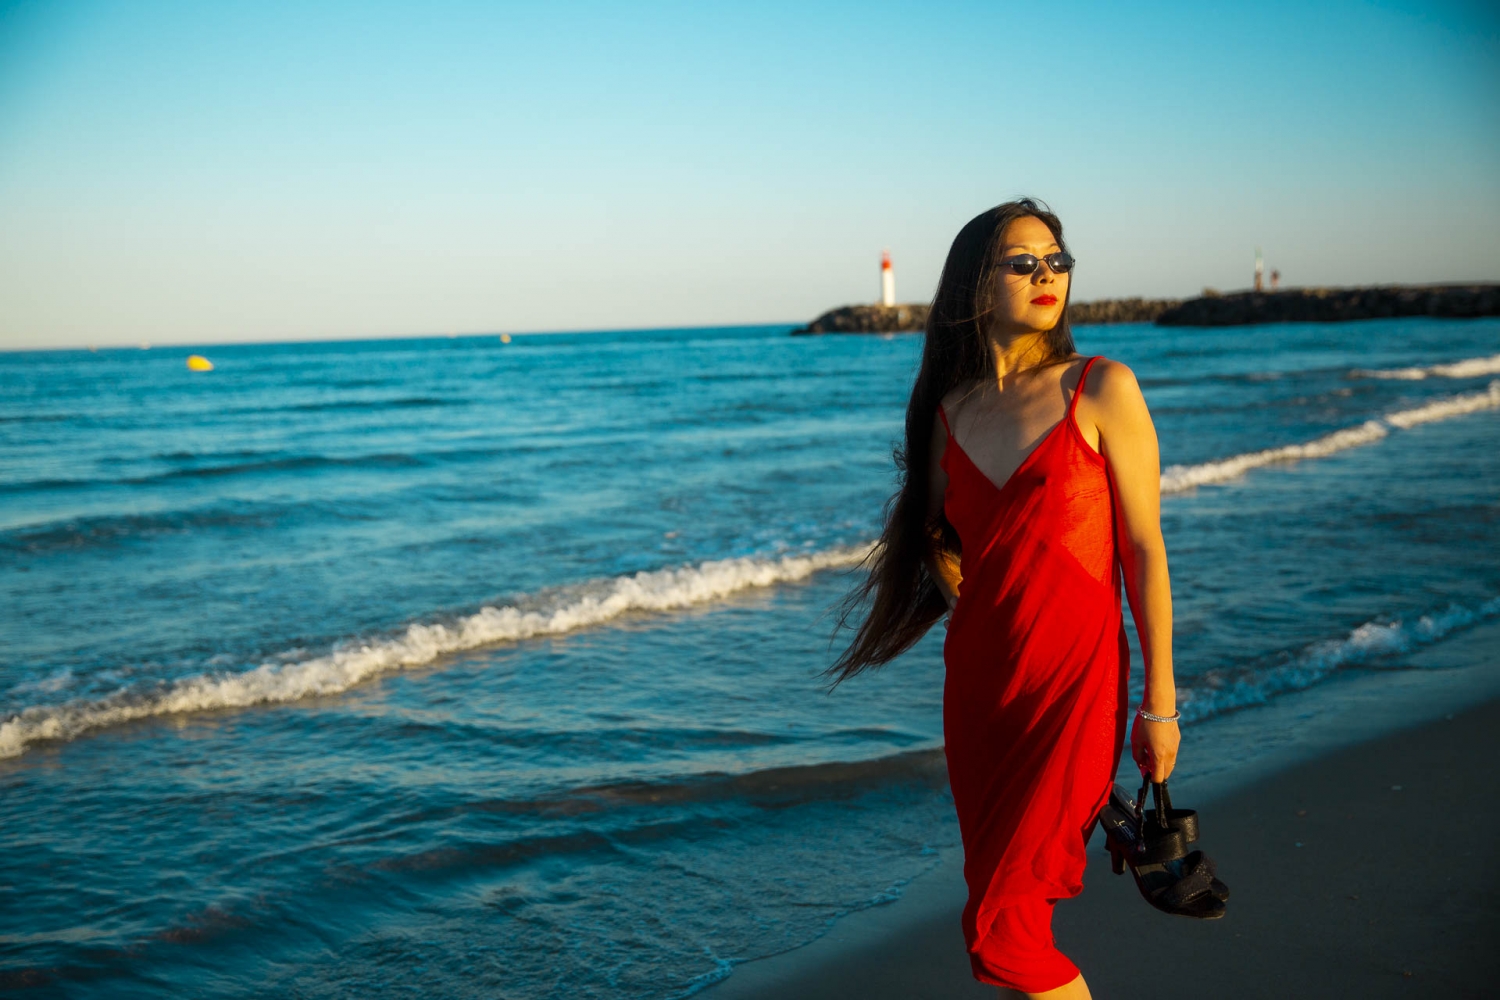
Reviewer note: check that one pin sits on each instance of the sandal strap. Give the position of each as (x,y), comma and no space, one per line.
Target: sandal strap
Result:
(1197,879)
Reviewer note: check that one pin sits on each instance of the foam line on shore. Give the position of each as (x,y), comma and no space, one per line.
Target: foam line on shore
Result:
(1467,368)
(1220,691)
(1177,478)
(568,610)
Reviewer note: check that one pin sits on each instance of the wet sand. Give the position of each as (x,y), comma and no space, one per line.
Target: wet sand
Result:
(1368,871)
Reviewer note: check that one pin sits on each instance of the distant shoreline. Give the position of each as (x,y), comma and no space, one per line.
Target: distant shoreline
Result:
(1307,305)
(1293,305)
(1335,305)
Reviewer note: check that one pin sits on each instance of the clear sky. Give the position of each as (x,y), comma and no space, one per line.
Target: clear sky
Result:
(198,172)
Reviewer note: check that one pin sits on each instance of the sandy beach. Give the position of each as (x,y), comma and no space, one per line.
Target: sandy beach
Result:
(1360,873)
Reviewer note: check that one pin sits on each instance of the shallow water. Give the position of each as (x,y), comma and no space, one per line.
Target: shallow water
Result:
(449,667)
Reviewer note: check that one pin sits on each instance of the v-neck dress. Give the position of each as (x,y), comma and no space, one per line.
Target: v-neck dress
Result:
(1034,699)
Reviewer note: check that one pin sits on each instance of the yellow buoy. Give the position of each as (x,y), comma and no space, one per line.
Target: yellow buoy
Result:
(505,338)
(198,363)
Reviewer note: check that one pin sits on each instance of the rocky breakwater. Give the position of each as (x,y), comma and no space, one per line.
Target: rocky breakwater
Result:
(1332,305)
(1119,311)
(869,319)
(913,316)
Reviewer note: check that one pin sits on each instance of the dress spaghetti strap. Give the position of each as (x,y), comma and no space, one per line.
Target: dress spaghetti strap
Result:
(1073,403)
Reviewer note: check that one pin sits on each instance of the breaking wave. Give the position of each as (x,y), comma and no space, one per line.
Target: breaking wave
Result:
(1220,691)
(1467,368)
(1453,406)
(566,611)
(1177,478)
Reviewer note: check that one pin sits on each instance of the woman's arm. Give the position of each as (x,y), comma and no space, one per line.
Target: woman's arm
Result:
(1127,439)
(941,564)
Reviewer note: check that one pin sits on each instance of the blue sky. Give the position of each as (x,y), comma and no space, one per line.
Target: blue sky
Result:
(191,172)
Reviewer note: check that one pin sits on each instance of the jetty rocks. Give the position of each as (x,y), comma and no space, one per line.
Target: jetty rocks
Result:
(1293,305)
(912,317)
(1332,305)
(1119,311)
(869,319)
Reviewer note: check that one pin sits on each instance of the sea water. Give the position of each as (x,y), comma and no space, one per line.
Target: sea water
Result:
(455,667)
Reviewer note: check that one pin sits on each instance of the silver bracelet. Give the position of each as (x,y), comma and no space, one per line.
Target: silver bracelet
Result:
(1149,717)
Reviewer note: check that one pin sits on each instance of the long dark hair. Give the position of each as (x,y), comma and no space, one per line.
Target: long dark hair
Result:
(901,599)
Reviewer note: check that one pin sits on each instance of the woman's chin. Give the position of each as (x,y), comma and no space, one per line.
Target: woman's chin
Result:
(1038,320)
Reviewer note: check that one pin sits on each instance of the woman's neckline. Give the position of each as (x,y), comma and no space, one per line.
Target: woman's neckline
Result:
(1069,417)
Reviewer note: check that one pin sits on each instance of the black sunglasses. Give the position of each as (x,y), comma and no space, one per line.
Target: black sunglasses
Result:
(1024,263)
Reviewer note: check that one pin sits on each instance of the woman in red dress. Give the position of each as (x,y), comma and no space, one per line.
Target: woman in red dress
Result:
(1030,487)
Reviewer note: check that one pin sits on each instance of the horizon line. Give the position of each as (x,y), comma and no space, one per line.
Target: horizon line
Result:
(368,338)
(363,338)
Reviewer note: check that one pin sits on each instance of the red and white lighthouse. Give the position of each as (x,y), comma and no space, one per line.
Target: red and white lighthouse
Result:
(887,280)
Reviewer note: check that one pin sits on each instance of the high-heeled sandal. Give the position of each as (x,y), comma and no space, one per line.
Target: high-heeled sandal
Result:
(1185,821)
(1153,844)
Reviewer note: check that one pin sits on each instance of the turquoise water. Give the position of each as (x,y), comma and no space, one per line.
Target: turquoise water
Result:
(453,667)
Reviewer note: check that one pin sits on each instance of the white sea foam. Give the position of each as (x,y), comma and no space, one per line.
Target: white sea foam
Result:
(1453,406)
(1467,368)
(276,682)
(1222,691)
(1177,478)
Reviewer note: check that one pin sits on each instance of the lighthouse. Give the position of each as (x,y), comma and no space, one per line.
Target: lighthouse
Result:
(887,281)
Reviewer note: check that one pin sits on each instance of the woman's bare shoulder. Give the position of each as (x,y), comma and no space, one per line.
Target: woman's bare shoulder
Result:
(1109,378)
(1112,388)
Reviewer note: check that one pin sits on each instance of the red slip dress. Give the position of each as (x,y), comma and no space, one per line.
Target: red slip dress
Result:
(1034,699)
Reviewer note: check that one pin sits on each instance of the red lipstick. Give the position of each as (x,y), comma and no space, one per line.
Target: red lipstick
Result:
(1044,300)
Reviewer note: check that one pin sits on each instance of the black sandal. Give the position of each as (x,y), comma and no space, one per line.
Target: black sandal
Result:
(1153,843)
(1185,821)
